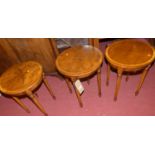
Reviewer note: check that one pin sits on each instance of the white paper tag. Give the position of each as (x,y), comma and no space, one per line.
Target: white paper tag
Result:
(79,86)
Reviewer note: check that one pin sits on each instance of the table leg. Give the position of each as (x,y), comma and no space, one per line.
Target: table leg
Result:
(68,84)
(108,75)
(119,77)
(21,104)
(143,75)
(77,94)
(99,81)
(48,87)
(36,102)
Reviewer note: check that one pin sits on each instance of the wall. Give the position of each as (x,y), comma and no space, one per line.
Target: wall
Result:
(18,50)
(43,50)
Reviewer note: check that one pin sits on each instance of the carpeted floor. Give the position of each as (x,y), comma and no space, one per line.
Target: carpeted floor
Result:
(66,104)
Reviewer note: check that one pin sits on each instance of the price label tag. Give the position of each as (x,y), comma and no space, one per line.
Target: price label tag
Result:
(79,86)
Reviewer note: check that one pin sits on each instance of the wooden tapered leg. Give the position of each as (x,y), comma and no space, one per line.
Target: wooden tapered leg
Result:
(36,102)
(108,75)
(21,104)
(91,41)
(77,94)
(48,87)
(119,77)
(99,81)
(143,75)
(68,84)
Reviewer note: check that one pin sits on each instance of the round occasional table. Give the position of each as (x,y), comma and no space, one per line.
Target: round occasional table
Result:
(129,55)
(80,62)
(21,79)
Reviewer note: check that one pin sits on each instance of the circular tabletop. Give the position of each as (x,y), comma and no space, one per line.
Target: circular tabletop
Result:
(79,61)
(130,53)
(21,77)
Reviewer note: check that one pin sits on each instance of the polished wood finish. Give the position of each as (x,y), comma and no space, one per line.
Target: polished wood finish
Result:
(36,102)
(48,87)
(118,83)
(15,50)
(54,46)
(80,62)
(90,41)
(129,55)
(94,42)
(18,101)
(23,79)
(68,84)
(77,93)
(143,75)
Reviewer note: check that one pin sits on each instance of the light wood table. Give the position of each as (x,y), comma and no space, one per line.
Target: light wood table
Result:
(22,79)
(129,55)
(80,62)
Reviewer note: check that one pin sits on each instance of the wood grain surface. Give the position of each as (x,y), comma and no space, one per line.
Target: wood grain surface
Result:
(130,53)
(79,61)
(21,77)
(15,50)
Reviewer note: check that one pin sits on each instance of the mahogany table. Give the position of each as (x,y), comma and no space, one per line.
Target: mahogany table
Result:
(129,55)
(22,79)
(80,62)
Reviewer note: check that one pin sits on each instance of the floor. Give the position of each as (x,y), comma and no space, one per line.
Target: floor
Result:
(66,104)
